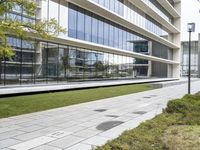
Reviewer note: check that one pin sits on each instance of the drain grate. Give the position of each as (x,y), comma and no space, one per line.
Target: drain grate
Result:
(108,125)
(100,110)
(113,116)
(146,97)
(140,112)
(153,95)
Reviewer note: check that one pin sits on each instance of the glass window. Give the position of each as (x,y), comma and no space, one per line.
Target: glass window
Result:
(112,5)
(72,21)
(53,5)
(121,7)
(106,33)
(88,27)
(44,10)
(94,28)
(116,37)
(117,6)
(107,4)
(63,20)
(111,35)
(100,31)
(124,39)
(120,38)
(129,41)
(80,24)
(101,2)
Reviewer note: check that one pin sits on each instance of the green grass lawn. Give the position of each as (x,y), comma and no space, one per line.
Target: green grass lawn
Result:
(12,106)
(177,128)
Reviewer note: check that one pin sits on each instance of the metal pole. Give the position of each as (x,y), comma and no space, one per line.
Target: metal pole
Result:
(189,67)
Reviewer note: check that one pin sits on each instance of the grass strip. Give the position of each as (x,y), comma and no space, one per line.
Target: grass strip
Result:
(12,106)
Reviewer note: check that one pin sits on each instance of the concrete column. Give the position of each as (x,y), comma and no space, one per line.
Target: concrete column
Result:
(149,73)
(176,40)
(199,57)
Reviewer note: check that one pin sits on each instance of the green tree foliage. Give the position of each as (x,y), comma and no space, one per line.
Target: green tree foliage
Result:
(11,26)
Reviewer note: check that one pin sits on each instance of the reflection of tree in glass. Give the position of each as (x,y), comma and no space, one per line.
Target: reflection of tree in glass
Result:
(65,63)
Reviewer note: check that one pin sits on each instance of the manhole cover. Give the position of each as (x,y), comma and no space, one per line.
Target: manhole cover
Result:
(108,125)
(140,112)
(100,110)
(113,116)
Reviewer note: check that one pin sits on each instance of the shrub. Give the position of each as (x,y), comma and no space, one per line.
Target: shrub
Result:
(149,135)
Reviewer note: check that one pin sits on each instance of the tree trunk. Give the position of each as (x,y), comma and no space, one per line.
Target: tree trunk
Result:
(64,72)
(0,70)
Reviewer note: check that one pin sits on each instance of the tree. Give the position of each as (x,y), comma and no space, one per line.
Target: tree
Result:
(65,63)
(12,26)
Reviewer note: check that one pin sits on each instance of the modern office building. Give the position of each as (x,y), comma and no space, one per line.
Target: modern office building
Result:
(105,39)
(190,14)
(195,58)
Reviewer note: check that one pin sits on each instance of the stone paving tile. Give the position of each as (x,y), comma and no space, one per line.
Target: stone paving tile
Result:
(10,134)
(66,141)
(31,128)
(32,143)
(75,128)
(29,123)
(80,146)
(28,136)
(38,133)
(46,147)
(96,140)
(67,124)
(101,119)
(88,124)
(87,133)
(9,128)
(8,142)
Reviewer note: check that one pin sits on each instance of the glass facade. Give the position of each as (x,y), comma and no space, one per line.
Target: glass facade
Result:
(45,62)
(88,26)
(194,58)
(66,63)
(133,14)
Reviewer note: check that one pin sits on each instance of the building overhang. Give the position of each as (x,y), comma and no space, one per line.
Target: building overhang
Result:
(165,4)
(93,46)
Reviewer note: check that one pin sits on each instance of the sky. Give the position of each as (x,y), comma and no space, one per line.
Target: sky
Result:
(190,12)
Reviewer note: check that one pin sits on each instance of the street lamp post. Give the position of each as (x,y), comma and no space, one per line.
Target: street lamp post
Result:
(191,28)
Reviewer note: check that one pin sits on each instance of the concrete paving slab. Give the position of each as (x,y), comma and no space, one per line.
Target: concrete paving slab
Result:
(46,147)
(32,143)
(10,134)
(96,140)
(8,142)
(80,146)
(66,141)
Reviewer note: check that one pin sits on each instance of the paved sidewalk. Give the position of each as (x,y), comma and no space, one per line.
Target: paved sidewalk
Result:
(79,127)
